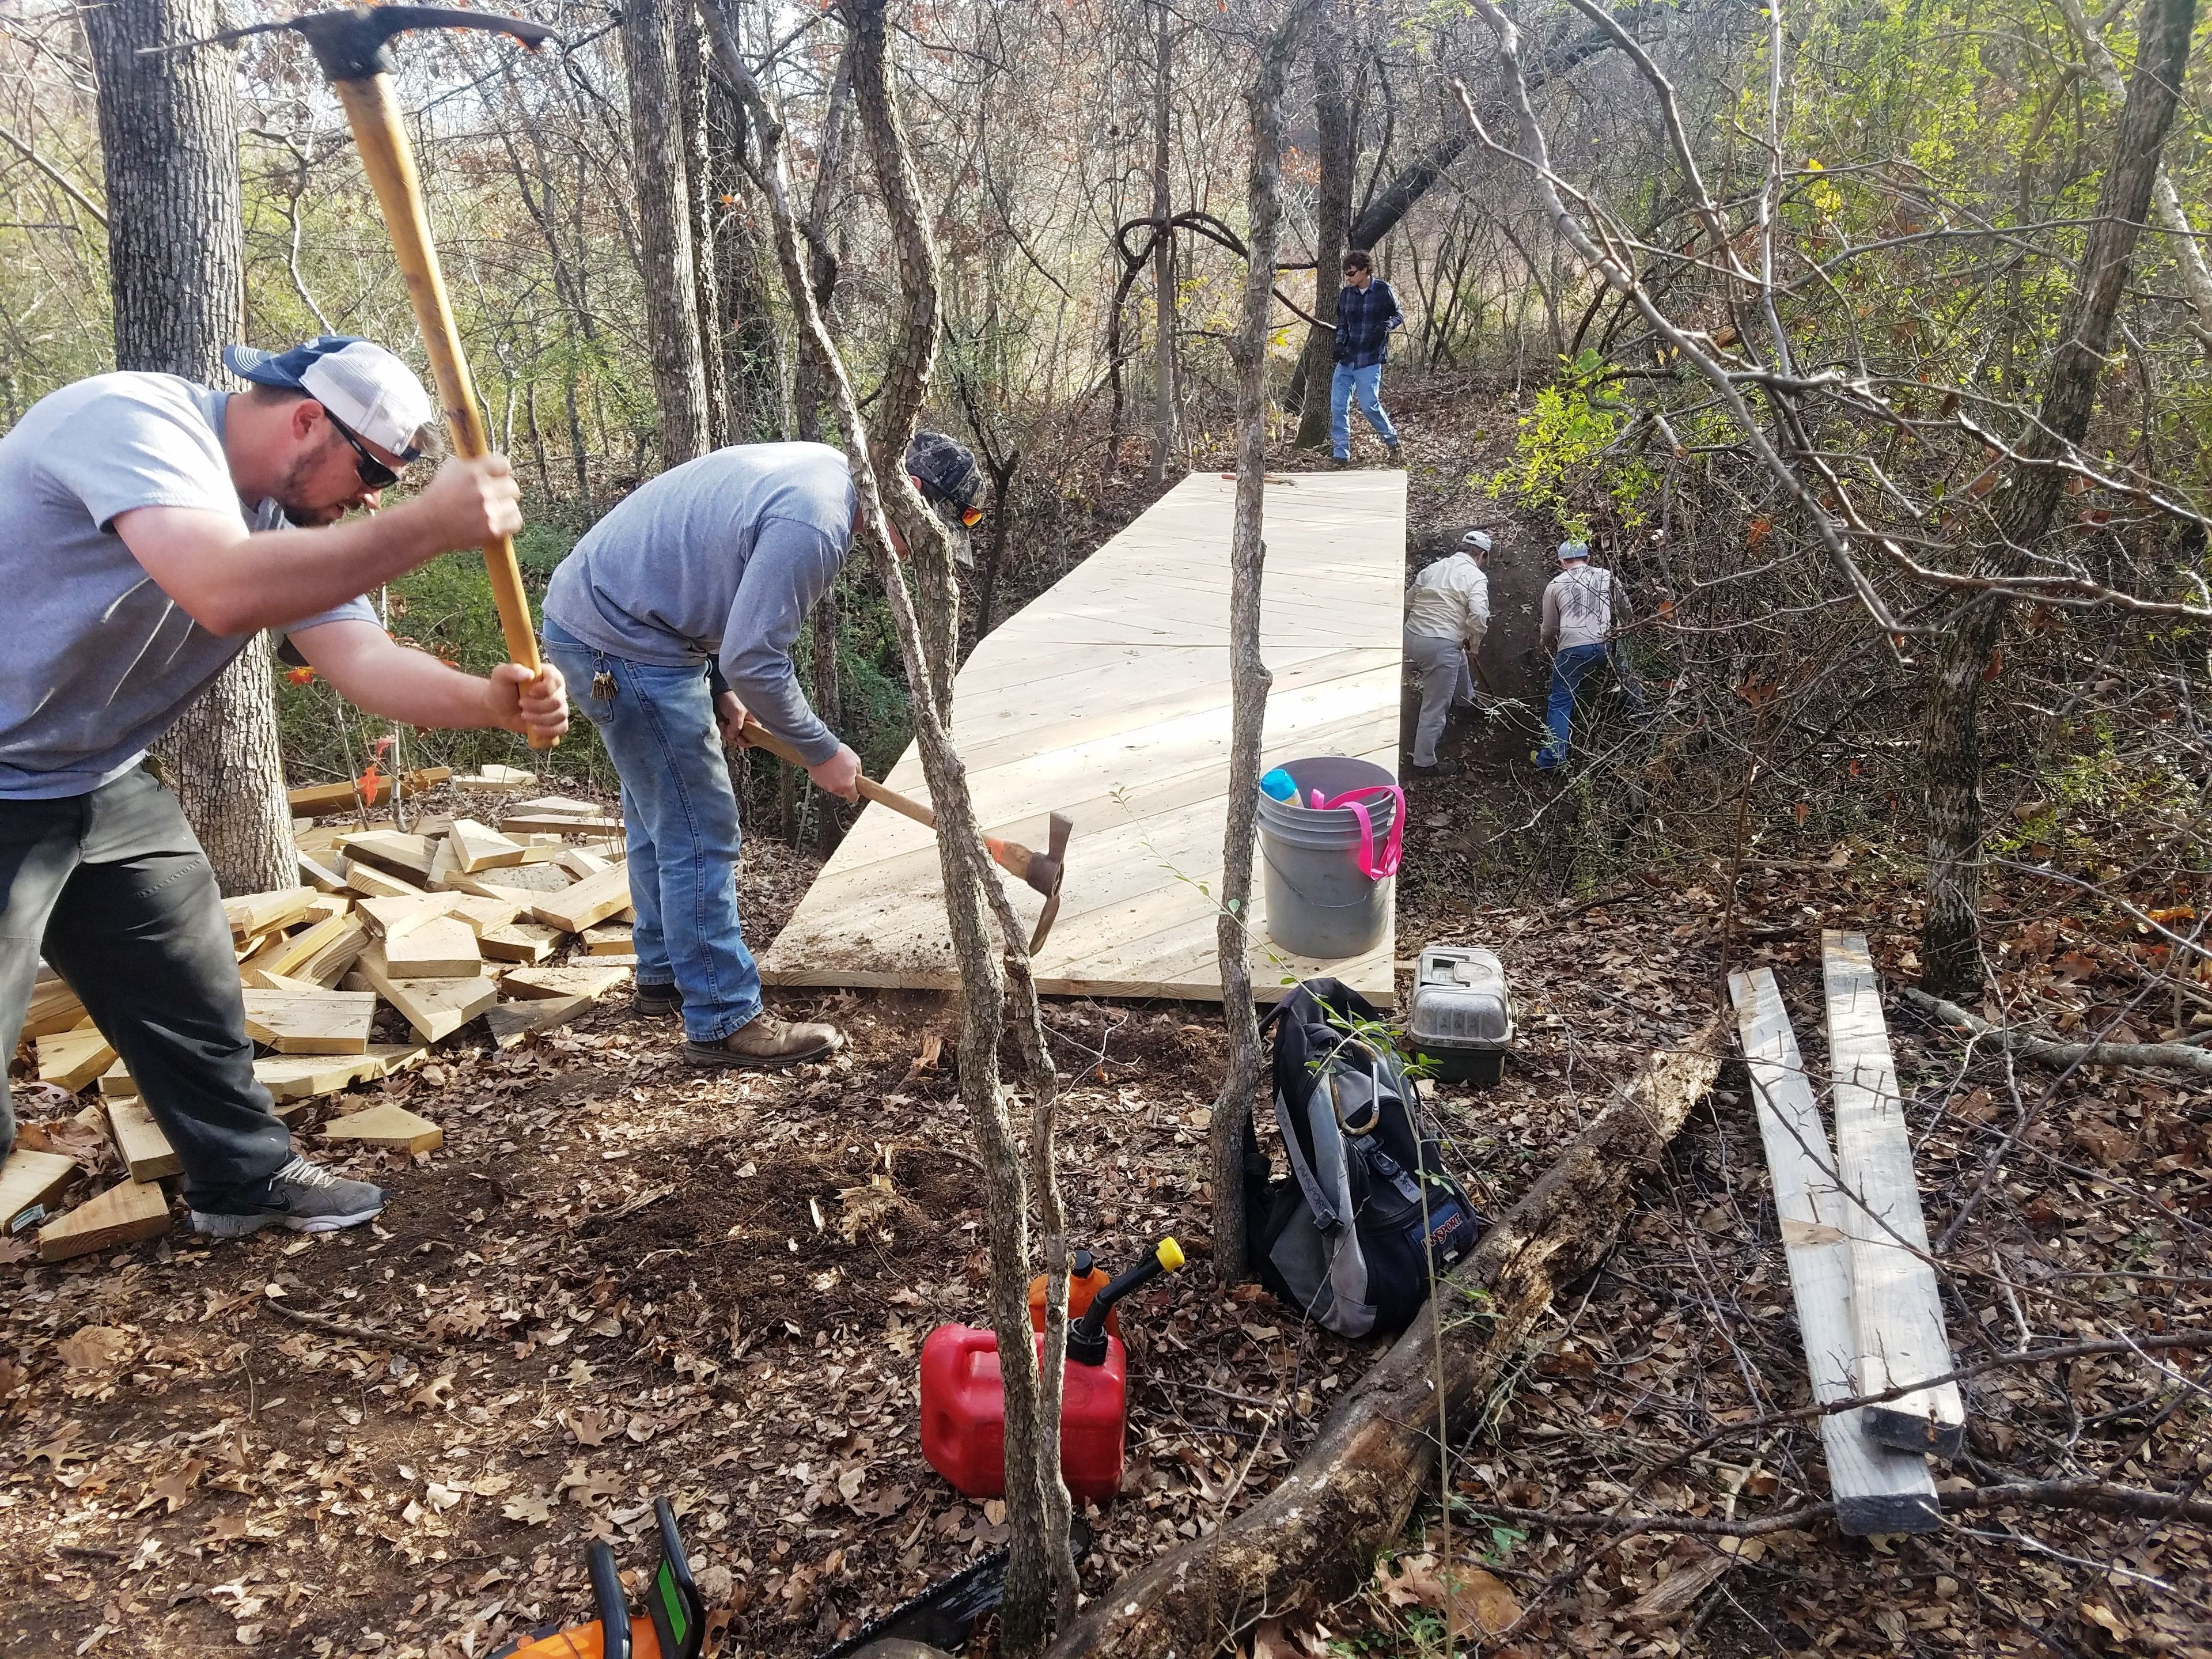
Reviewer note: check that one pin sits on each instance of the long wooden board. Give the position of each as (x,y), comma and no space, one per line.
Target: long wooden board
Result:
(1108,698)
(1877,1489)
(1895,1299)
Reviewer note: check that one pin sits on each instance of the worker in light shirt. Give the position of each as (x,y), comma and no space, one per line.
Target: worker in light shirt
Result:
(1447,614)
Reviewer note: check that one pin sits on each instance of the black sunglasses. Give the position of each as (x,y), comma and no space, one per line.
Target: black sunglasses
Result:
(374,473)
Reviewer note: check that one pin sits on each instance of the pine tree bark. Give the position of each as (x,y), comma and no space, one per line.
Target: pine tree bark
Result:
(176,251)
(1950,937)
(1331,214)
(1249,678)
(667,269)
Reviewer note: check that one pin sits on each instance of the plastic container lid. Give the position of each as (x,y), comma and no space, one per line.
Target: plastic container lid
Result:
(1460,999)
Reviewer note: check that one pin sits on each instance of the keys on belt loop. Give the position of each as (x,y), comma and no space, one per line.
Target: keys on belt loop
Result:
(603,685)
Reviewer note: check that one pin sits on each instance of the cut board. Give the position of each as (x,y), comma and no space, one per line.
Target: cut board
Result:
(69,1060)
(296,1077)
(525,942)
(592,900)
(316,1022)
(1108,698)
(1877,1489)
(1894,1299)
(31,1180)
(582,978)
(435,1007)
(510,1022)
(124,1214)
(388,1127)
(146,1151)
(443,948)
(479,846)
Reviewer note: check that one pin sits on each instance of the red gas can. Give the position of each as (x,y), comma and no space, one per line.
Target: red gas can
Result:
(963,1415)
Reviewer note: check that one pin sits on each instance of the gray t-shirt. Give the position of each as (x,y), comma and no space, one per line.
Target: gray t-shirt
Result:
(721,557)
(99,661)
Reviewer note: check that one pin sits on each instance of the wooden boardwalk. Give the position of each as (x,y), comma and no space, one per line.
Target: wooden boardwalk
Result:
(1108,698)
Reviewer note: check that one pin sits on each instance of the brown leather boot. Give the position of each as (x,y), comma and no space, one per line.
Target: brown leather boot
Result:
(769,1042)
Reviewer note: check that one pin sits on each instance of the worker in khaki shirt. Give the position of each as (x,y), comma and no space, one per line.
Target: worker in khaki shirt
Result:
(1447,614)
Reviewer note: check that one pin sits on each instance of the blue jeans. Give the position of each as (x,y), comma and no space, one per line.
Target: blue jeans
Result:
(1343,382)
(680,817)
(1569,669)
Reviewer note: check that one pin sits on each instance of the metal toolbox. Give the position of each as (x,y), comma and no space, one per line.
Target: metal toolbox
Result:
(1462,1019)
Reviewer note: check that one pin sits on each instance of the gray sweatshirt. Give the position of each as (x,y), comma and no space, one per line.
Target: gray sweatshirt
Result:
(1578,607)
(721,557)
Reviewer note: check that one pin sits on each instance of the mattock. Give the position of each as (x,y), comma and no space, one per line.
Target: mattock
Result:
(349,43)
(1043,871)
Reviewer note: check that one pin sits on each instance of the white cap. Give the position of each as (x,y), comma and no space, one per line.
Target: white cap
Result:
(1475,541)
(1570,551)
(364,387)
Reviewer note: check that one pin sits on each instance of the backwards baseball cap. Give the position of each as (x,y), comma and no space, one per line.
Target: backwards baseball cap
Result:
(1570,552)
(1475,541)
(365,388)
(947,472)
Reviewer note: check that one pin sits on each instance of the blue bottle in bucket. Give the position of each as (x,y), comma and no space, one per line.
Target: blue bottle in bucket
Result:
(1322,901)
(1277,786)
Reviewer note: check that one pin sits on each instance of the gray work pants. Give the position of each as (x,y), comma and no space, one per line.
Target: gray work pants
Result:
(1445,680)
(112,885)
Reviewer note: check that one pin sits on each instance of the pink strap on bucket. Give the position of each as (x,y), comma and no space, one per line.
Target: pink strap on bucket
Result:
(1373,868)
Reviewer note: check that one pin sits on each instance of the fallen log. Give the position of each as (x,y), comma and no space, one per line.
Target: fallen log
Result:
(1316,1533)
(2180,1056)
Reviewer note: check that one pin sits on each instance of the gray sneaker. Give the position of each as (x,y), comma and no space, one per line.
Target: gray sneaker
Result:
(302,1196)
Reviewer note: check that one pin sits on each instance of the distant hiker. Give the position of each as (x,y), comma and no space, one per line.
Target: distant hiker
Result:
(1366,312)
(1579,605)
(147,532)
(678,611)
(1447,614)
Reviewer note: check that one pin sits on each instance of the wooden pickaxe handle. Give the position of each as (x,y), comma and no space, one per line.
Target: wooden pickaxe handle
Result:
(1039,870)
(380,135)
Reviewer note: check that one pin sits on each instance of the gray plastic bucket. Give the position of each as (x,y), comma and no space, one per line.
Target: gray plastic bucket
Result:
(1320,903)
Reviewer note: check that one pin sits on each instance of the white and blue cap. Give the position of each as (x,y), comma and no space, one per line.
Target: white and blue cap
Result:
(1474,541)
(365,388)
(1571,551)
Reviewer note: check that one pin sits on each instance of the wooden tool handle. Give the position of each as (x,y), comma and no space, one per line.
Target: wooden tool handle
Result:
(380,133)
(759,737)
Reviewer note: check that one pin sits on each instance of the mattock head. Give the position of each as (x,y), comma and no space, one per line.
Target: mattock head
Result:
(350,41)
(1055,849)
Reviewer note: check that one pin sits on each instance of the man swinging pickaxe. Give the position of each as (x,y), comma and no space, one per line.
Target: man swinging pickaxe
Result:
(350,45)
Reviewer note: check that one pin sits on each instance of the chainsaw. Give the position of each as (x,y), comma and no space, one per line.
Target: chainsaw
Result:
(677,1626)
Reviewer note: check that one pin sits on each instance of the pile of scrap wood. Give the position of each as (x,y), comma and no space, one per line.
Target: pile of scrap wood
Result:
(519,926)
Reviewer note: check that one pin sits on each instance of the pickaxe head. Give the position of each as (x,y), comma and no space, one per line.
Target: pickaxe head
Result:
(350,41)
(1055,856)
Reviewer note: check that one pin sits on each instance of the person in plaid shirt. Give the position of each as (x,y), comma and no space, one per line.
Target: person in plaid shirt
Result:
(1366,312)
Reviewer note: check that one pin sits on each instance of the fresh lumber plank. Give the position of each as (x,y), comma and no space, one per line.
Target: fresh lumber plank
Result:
(311,1022)
(405,856)
(295,1077)
(584,864)
(325,906)
(521,882)
(370,882)
(445,948)
(559,806)
(1895,1303)
(496,780)
(54,1008)
(328,965)
(480,914)
(260,913)
(394,918)
(560,823)
(435,1008)
(591,900)
(480,847)
(146,1151)
(525,942)
(316,799)
(288,955)
(608,938)
(1877,1488)
(322,874)
(116,1083)
(31,1180)
(69,1060)
(575,978)
(510,1022)
(124,1214)
(388,1127)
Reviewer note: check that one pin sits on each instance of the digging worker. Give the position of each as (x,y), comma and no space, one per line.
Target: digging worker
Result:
(1579,612)
(1366,312)
(1447,614)
(149,527)
(678,611)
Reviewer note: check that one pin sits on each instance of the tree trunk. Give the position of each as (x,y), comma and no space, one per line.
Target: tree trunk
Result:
(1249,678)
(699,203)
(1950,949)
(667,270)
(752,369)
(821,258)
(1313,1539)
(1164,276)
(1332,212)
(168,131)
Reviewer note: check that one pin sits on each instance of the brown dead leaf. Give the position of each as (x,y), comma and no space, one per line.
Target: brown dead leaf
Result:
(591,1428)
(530,1509)
(175,1489)
(93,1347)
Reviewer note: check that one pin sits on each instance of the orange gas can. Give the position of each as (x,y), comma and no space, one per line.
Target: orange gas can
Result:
(1086,1278)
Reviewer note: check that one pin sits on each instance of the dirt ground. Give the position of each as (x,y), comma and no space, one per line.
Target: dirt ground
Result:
(620,1278)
